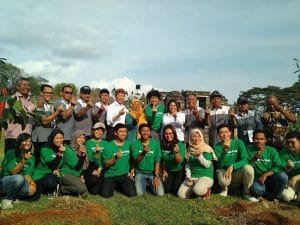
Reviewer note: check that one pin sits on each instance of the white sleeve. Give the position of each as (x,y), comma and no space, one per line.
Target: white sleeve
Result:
(187,170)
(204,162)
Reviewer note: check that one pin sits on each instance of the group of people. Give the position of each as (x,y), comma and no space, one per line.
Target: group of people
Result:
(80,148)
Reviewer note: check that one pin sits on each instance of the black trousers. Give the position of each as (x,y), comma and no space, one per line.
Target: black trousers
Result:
(173,182)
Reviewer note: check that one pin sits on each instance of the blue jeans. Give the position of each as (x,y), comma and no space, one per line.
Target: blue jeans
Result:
(14,186)
(142,179)
(272,187)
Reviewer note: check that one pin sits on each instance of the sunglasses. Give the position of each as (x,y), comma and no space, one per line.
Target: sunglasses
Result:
(68,92)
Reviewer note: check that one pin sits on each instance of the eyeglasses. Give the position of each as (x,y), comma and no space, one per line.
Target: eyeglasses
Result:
(68,92)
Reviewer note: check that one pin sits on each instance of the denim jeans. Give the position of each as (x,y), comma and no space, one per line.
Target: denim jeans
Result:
(272,187)
(142,179)
(14,186)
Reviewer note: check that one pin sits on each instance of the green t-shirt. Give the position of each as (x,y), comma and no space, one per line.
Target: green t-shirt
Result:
(286,155)
(155,119)
(168,158)
(10,161)
(122,165)
(47,155)
(235,156)
(91,151)
(269,161)
(198,170)
(152,157)
(70,160)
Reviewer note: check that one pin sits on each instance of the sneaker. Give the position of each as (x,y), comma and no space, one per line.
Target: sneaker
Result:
(250,198)
(224,193)
(7,204)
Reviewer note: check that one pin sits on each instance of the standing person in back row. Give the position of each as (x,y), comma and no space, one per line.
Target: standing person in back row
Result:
(116,113)
(154,112)
(65,120)
(219,114)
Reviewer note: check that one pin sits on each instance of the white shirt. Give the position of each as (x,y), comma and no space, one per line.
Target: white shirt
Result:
(177,121)
(112,110)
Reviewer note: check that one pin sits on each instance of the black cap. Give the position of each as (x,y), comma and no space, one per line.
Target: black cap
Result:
(215,94)
(242,100)
(85,89)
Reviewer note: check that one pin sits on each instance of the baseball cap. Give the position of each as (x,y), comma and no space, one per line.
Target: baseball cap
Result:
(99,125)
(215,94)
(242,100)
(85,89)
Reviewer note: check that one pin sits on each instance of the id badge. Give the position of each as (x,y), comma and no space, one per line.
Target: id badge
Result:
(250,135)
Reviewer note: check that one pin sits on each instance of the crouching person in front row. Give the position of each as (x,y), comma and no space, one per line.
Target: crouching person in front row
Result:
(116,159)
(270,180)
(17,169)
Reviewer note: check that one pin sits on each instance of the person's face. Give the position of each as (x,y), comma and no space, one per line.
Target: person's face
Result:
(58,140)
(121,134)
(67,93)
(225,134)
(172,107)
(260,141)
(271,101)
(136,106)
(98,133)
(191,101)
(120,98)
(24,87)
(85,96)
(243,107)
(216,102)
(145,133)
(26,145)
(104,98)
(47,94)
(196,138)
(154,100)
(293,144)
(80,140)
(168,135)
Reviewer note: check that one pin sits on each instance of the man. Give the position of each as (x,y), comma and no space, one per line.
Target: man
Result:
(146,153)
(246,121)
(219,114)
(195,116)
(275,121)
(154,112)
(42,129)
(83,112)
(116,159)
(14,129)
(65,120)
(116,113)
(99,110)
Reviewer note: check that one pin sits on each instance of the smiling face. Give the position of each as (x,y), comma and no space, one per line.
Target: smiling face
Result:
(121,134)
(81,139)
(154,100)
(85,96)
(98,133)
(47,93)
(196,138)
(120,97)
(191,101)
(145,133)
(25,145)
(67,93)
(225,134)
(293,145)
(168,135)
(58,140)
(104,98)
(260,141)
(172,108)
(23,87)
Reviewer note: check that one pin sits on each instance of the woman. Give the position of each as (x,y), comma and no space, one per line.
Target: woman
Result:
(270,180)
(175,118)
(47,173)
(75,162)
(17,169)
(173,153)
(134,119)
(290,157)
(94,174)
(199,167)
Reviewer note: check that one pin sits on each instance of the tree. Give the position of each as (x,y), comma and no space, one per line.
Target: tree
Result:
(298,69)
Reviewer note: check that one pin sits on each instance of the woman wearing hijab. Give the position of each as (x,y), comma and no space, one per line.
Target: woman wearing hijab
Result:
(173,154)
(17,169)
(134,119)
(199,167)
(75,162)
(47,173)
(94,174)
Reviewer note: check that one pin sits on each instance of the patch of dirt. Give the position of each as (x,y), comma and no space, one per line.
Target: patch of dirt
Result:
(66,210)
(262,213)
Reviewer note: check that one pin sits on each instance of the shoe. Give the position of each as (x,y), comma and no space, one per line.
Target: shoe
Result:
(250,198)
(51,196)
(224,193)
(206,196)
(7,204)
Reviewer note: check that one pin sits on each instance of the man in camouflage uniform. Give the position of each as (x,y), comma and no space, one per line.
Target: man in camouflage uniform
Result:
(275,121)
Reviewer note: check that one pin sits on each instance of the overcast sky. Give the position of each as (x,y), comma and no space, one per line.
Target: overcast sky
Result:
(228,46)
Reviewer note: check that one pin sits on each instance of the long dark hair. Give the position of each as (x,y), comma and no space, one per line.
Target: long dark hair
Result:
(51,137)
(22,137)
(168,145)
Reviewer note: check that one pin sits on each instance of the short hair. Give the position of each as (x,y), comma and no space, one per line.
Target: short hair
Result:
(169,102)
(153,93)
(119,126)
(172,128)
(260,131)
(22,79)
(43,86)
(223,126)
(120,90)
(144,125)
(293,134)
(104,90)
(66,86)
